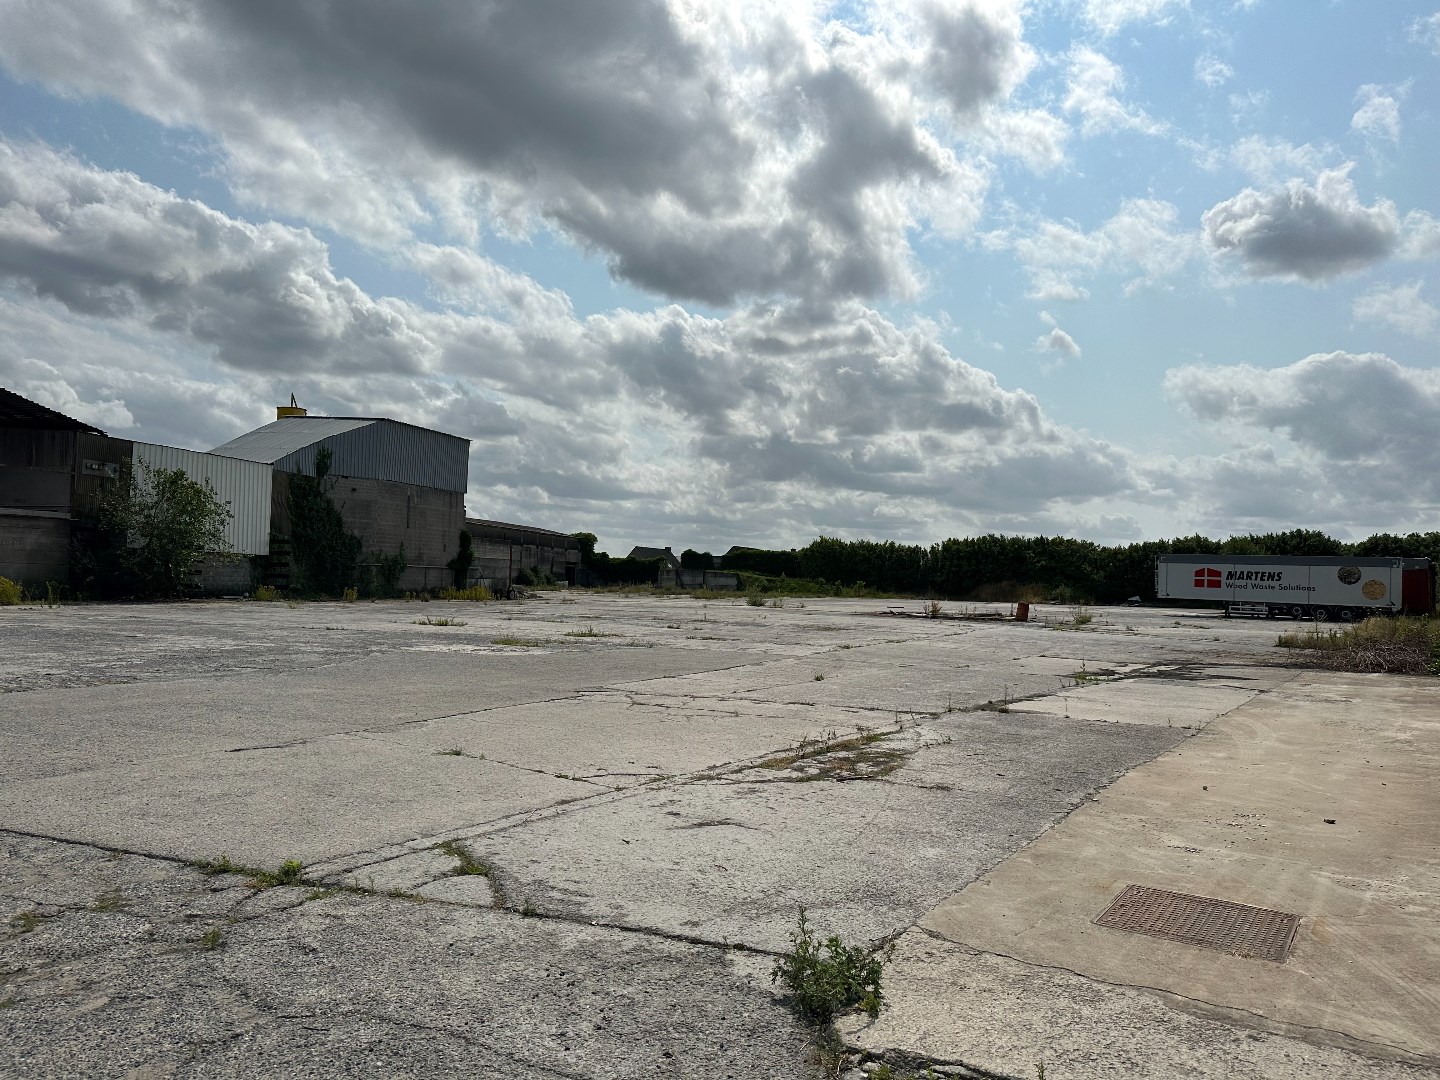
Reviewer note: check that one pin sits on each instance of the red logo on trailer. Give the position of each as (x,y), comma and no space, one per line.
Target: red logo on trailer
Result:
(1207,578)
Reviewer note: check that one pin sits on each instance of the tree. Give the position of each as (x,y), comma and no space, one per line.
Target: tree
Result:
(460,564)
(156,526)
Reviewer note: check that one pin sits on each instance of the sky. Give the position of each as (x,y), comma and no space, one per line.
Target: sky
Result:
(710,272)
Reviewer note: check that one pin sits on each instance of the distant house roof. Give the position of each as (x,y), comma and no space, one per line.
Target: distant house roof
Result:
(654,553)
(360,446)
(20,412)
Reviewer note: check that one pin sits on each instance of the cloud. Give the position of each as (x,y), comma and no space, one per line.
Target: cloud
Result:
(976,55)
(1426,31)
(1338,441)
(1142,239)
(1378,116)
(708,151)
(1093,85)
(1345,407)
(1057,341)
(1304,232)
(1400,307)
(122,299)
(1269,160)
(1110,16)
(1212,71)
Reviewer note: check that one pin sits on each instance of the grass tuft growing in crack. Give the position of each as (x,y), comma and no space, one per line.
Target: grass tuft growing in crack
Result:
(290,872)
(211,940)
(26,921)
(469,865)
(824,978)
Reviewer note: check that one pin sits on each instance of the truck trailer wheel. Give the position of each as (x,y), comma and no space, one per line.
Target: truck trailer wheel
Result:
(1346,615)
(1297,612)
(1320,614)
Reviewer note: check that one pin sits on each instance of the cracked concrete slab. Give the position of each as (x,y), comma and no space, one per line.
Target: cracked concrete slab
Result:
(732,859)
(620,740)
(1325,812)
(1161,702)
(117,725)
(950,1005)
(340,793)
(346,985)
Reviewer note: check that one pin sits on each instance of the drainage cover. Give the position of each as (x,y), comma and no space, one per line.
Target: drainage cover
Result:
(1237,929)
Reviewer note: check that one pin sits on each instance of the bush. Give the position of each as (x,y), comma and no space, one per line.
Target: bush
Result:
(825,978)
(384,573)
(10,593)
(267,592)
(155,527)
(1406,645)
(460,564)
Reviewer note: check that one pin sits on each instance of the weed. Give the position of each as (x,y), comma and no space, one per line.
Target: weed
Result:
(469,865)
(427,621)
(109,900)
(5,1003)
(529,910)
(292,603)
(215,867)
(519,642)
(755,599)
(26,921)
(777,601)
(1039,1070)
(819,678)
(825,978)
(212,940)
(477,593)
(846,646)
(350,595)
(932,609)
(590,631)
(267,592)
(1406,645)
(454,751)
(882,1072)
(290,872)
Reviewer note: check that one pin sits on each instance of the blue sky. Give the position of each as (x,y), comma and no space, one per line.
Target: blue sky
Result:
(705,273)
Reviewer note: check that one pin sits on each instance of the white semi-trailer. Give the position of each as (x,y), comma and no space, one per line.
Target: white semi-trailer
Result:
(1303,588)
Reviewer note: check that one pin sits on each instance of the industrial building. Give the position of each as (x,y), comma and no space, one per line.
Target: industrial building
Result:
(503,550)
(395,484)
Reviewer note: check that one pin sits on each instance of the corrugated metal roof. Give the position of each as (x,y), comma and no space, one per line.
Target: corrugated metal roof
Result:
(282,437)
(21,412)
(376,448)
(483,526)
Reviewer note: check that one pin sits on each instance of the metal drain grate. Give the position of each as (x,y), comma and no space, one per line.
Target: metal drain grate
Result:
(1237,929)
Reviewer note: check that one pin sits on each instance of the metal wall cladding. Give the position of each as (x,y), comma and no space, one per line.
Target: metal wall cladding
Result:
(244,485)
(389,450)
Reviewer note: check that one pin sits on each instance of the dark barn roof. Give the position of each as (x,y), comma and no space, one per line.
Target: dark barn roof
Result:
(20,412)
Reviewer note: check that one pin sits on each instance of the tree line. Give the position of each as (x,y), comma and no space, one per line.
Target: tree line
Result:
(1061,567)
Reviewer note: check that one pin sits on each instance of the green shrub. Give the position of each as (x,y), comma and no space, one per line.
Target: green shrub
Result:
(10,593)
(267,592)
(825,978)
(1406,645)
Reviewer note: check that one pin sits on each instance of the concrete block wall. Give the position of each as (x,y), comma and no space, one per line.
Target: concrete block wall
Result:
(385,514)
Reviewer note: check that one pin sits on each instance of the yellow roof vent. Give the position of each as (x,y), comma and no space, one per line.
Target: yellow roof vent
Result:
(293,409)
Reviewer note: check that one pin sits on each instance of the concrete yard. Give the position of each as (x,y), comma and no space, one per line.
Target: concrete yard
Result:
(654,786)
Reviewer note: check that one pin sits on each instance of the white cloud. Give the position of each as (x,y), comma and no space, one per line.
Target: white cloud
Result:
(1212,71)
(1269,160)
(1426,31)
(1378,116)
(1142,239)
(1059,342)
(706,150)
(1336,440)
(1401,307)
(1304,232)
(132,302)
(1094,82)
(1110,16)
